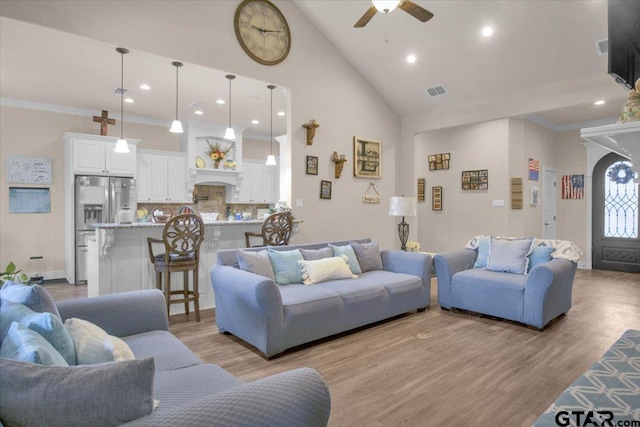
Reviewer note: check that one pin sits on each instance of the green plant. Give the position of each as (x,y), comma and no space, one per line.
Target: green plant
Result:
(12,274)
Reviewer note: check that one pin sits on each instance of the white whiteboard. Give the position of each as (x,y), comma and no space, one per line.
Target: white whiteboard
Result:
(28,170)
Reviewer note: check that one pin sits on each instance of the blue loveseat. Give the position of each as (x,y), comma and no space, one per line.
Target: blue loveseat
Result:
(533,297)
(187,391)
(274,318)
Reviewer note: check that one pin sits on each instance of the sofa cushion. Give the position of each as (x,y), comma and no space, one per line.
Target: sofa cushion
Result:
(314,254)
(395,283)
(509,255)
(168,351)
(46,324)
(368,255)
(355,291)
(325,269)
(33,296)
(351,255)
(489,292)
(25,345)
(539,255)
(285,266)
(483,252)
(107,394)
(256,262)
(94,345)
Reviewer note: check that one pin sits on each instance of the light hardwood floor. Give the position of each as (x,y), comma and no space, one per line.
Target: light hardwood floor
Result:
(438,367)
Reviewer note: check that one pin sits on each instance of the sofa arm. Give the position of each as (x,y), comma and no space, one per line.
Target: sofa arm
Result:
(446,265)
(547,293)
(296,398)
(415,263)
(122,314)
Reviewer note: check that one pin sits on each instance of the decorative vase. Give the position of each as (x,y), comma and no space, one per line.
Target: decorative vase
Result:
(216,164)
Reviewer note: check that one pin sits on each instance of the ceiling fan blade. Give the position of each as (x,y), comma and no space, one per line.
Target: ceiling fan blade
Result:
(366,17)
(416,11)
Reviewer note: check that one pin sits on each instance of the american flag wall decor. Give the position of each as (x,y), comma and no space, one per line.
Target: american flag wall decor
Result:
(573,186)
(534,169)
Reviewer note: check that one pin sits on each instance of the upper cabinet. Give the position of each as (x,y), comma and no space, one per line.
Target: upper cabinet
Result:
(162,176)
(260,182)
(95,155)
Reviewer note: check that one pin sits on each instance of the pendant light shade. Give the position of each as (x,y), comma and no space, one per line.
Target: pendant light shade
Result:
(271,159)
(122,146)
(176,125)
(229,133)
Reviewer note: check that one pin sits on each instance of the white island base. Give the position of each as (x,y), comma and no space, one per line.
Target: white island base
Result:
(118,259)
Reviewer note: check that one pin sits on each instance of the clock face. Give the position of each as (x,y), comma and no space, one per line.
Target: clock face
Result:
(262,31)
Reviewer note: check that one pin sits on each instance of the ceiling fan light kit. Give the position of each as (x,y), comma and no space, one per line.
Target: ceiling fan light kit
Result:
(385,7)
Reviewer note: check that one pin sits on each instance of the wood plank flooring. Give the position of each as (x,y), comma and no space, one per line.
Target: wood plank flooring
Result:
(439,367)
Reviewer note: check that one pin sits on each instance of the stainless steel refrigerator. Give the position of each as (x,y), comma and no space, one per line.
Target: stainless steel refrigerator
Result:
(99,199)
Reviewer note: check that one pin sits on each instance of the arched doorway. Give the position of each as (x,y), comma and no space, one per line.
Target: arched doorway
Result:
(616,235)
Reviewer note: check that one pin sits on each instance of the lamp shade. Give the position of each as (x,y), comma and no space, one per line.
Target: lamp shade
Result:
(402,206)
(121,146)
(229,134)
(176,127)
(385,6)
(271,160)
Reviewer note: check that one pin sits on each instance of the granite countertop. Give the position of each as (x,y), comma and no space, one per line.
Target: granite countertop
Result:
(160,224)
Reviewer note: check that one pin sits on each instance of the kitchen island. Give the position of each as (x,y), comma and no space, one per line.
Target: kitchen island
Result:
(118,259)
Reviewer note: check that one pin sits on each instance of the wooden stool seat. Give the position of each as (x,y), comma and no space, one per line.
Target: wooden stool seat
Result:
(181,237)
(276,230)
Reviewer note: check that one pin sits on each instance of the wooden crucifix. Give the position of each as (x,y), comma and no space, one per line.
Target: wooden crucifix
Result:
(104,120)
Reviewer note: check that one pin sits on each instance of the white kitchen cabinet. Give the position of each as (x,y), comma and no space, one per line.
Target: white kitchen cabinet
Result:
(162,177)
(99,158)
(259,184)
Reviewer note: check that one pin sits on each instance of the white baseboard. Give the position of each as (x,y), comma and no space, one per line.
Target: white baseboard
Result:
(49,275)
(583,265)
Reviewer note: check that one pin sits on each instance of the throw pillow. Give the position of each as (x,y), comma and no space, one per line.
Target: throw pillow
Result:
(255,262)
(483,252)
(351,255)
(48,325)
(368,255)
(26,345)
(107,394)
(509,255)
(33,296)
(539,254)
(325,269)
(285,266)
(313,254)
(94,345)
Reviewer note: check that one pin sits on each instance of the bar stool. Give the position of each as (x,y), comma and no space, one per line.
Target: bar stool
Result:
(276,230)
(182,236)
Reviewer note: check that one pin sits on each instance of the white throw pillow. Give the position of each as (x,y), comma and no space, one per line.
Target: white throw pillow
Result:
(325,269)
(94,345)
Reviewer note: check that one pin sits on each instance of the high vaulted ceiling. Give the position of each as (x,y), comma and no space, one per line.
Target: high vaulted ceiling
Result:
(535,43)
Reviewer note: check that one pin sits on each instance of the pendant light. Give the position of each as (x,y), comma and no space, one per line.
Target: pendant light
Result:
(229,133)
(176,126)
(121,145)
(271,160)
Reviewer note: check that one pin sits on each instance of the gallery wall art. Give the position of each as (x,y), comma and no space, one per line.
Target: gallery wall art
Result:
(475,180)
(573,186)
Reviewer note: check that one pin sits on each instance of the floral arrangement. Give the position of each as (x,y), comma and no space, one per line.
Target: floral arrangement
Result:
(217,151)
(413,246)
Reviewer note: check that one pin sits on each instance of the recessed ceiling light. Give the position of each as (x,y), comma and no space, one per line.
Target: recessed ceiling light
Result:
(281,113)
(255,122)
(145,87)
(599,102)
(487,31)
(198,112)
(220,101)
(129,100)
(411,59)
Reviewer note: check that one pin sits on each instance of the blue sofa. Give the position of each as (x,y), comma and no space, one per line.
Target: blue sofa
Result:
(274,318)
(534,299)
(188,391)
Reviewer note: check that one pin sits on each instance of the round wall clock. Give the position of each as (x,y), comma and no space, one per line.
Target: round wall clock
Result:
(262,31)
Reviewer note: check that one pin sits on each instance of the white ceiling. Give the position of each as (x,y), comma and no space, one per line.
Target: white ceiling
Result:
(535,43)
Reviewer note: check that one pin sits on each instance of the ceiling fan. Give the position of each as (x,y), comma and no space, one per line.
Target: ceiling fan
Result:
(383,6)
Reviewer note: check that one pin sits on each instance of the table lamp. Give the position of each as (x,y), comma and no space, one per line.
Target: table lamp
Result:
(403,206)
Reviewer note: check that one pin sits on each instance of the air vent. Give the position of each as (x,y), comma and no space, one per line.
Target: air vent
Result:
(602,46)
(437,90)
(120,90)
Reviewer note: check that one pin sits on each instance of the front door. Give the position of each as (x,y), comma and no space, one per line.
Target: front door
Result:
(616,242)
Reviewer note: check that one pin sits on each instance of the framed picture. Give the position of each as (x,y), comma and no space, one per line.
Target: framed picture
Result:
(367,154)
(325,189)
(475,180)
(312,165)
(436,198)
(439,161)
(535,194)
